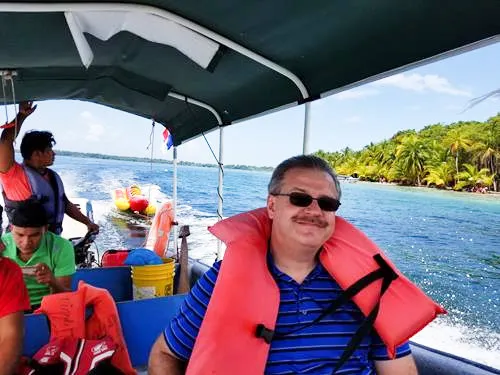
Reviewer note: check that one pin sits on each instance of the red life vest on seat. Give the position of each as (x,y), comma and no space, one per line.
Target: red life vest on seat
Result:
(246,295)
(66,313)
(71,356)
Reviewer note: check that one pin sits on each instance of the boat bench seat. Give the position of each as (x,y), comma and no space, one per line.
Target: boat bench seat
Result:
(142,322)
(116,280)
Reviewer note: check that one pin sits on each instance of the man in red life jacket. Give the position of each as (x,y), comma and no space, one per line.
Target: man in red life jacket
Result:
(303,334)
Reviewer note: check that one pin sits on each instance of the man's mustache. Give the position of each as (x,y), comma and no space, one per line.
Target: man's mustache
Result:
(310,220)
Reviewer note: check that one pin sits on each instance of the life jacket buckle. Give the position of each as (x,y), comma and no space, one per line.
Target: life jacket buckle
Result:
(265,333)
(387,270)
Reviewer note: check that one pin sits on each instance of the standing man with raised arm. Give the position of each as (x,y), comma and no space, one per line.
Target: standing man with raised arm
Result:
(33,180)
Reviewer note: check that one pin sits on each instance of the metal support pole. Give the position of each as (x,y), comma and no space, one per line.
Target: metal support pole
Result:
(307,120)
(174,198)
(220,187)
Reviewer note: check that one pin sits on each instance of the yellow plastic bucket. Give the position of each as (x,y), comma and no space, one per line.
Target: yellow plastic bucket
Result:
(153,281)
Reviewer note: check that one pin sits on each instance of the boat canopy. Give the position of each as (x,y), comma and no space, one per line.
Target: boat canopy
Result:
(194,66)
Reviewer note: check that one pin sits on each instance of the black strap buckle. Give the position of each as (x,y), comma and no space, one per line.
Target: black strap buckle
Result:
(265,333)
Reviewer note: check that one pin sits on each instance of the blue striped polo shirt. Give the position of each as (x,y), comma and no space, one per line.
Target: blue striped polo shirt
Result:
(313,350)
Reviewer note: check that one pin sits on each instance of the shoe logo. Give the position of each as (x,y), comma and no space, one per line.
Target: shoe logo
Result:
(99,348)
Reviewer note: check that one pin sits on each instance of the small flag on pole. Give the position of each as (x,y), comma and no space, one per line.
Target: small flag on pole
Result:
(168,140)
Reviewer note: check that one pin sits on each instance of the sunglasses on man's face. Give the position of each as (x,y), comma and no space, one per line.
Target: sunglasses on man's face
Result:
(305,200)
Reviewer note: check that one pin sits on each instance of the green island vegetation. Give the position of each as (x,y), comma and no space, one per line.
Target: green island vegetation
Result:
(463,156)
(160,161)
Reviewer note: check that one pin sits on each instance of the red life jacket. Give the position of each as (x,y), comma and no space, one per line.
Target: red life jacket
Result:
(246,295)
(72,356)
(66,313)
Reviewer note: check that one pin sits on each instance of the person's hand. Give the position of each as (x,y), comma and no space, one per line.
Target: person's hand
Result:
(2,247)
(43,274)
(26,108)
(93,227)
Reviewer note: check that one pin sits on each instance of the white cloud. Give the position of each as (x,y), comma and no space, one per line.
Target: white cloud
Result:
(353,119)
(422,83)
(355,94)
(94,128)
(95,131)
(86,115)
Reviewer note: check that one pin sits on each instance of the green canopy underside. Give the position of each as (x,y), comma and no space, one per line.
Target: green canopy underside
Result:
(328,44)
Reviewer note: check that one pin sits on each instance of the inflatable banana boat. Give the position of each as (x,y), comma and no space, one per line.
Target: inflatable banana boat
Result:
(131,199)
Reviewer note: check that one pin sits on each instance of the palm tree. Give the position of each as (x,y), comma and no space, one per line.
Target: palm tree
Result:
(439,175)
(387,154)
(486,155)
(411,155)
(331,158)
(457,141)
(369,153)
(371,172)
(471,176)
(321,154)
(437,152)
(350,167)
(346,153)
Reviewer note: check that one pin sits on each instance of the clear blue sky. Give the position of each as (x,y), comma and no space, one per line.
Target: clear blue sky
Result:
(435,93)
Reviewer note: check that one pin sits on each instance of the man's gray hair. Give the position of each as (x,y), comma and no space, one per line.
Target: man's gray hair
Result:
(300,161)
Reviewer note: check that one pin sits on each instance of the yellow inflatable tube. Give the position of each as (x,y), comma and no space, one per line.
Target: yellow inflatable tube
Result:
(121,198)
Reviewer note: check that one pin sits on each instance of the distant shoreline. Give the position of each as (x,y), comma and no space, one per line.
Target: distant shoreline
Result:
(491,194)
(159,161)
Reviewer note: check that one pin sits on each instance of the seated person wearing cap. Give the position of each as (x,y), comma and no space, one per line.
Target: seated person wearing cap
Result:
(46,259)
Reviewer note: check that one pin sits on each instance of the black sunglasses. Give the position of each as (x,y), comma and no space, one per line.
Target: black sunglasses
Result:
(305,200)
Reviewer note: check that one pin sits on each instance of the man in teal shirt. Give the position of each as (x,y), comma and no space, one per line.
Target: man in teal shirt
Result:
(46,259)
